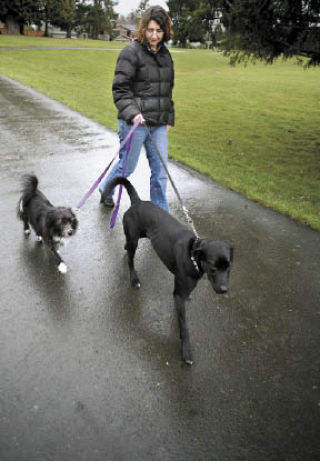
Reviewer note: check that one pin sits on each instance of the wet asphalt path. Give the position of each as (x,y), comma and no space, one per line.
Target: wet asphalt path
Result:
(91,370)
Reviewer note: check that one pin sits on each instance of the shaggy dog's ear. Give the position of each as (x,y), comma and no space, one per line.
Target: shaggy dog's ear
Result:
(51,219)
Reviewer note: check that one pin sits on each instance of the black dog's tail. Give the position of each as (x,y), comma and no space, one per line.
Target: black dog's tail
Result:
(29,188)
(134,197)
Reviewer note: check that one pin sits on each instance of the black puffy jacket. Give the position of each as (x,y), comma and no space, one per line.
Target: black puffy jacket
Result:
(143,83)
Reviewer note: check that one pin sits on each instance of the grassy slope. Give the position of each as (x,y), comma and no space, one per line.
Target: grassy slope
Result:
(254,129)
(31,41)
(260,126)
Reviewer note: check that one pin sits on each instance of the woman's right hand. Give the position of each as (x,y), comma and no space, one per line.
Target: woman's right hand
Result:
(138,116)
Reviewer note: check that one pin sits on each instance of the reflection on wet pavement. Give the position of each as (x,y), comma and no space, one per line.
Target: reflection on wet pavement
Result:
(91,370)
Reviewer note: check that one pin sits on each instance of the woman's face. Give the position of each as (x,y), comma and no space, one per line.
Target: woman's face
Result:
(154,34)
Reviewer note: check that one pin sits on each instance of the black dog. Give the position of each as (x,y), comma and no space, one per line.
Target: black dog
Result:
(51,224)
(187,257)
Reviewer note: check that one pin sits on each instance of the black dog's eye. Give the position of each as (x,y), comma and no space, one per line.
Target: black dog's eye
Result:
(222,264)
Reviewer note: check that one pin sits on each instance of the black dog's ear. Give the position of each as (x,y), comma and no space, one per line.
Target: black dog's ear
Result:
(230,246)
(197,246)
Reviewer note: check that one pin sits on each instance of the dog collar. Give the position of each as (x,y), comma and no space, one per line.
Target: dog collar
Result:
(195,264)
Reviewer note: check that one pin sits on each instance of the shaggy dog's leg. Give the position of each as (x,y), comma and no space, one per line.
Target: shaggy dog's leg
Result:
(62,267)
(24,218)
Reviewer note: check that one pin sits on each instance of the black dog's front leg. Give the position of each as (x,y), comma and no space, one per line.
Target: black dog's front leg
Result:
(181,293)
(184,333)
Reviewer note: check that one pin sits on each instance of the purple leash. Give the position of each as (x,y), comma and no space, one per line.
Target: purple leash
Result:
(96,183)
(116,209)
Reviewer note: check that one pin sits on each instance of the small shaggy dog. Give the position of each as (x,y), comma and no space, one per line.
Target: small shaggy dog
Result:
(50,223)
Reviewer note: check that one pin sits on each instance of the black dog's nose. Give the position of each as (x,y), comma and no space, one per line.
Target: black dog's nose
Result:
(223,289)
(70,232)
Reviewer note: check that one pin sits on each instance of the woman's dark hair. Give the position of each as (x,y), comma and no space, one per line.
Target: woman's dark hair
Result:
(160,16)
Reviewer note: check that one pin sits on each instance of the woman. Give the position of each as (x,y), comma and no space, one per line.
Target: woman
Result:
(142,89)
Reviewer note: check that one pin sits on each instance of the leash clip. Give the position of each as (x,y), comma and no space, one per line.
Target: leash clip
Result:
(195,263)
(190,221)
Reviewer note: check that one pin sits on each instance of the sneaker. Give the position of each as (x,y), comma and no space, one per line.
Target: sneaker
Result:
(107,201)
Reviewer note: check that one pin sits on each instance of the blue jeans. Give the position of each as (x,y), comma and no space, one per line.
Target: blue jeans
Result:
(158,178)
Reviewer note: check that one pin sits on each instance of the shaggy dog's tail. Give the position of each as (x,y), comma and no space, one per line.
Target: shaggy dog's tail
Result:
(29,184)
(29,188)
(134,197)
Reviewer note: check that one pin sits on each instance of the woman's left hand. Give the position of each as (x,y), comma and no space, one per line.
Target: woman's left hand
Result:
(169,126)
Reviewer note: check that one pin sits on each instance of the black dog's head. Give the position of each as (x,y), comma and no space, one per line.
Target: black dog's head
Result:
(61,223)
(215,259)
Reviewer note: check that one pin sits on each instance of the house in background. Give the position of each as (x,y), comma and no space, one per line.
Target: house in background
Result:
(124,32)
(3,28)
(121,32)
(34,30)
(56,32)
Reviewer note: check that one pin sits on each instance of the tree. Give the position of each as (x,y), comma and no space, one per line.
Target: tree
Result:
(143,6)
(46,14)
(64,15)
(15,13)
(111,16)
(96,18)
(267,29)
(210,15)
(135,15)
(263,29)
(92,16)
(184,22)
(82,17)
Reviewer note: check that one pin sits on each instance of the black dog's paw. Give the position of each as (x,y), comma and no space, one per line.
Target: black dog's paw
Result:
(135,283)
(186,355)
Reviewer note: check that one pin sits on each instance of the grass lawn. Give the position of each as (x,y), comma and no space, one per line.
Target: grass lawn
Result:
(254,129)
(7,40)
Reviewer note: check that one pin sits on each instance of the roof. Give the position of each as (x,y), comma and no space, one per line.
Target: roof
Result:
(125,26)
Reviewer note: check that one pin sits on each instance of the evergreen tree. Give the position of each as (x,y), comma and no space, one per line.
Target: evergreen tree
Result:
(111,16)
(182,13)
(263,29)
(46,14)
(16,13)
(266,29)
(64,15)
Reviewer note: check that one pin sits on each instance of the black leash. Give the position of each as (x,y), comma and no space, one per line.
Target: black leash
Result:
(184,209)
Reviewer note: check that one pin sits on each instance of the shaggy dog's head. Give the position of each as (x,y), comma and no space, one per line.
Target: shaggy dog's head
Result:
(61,223)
